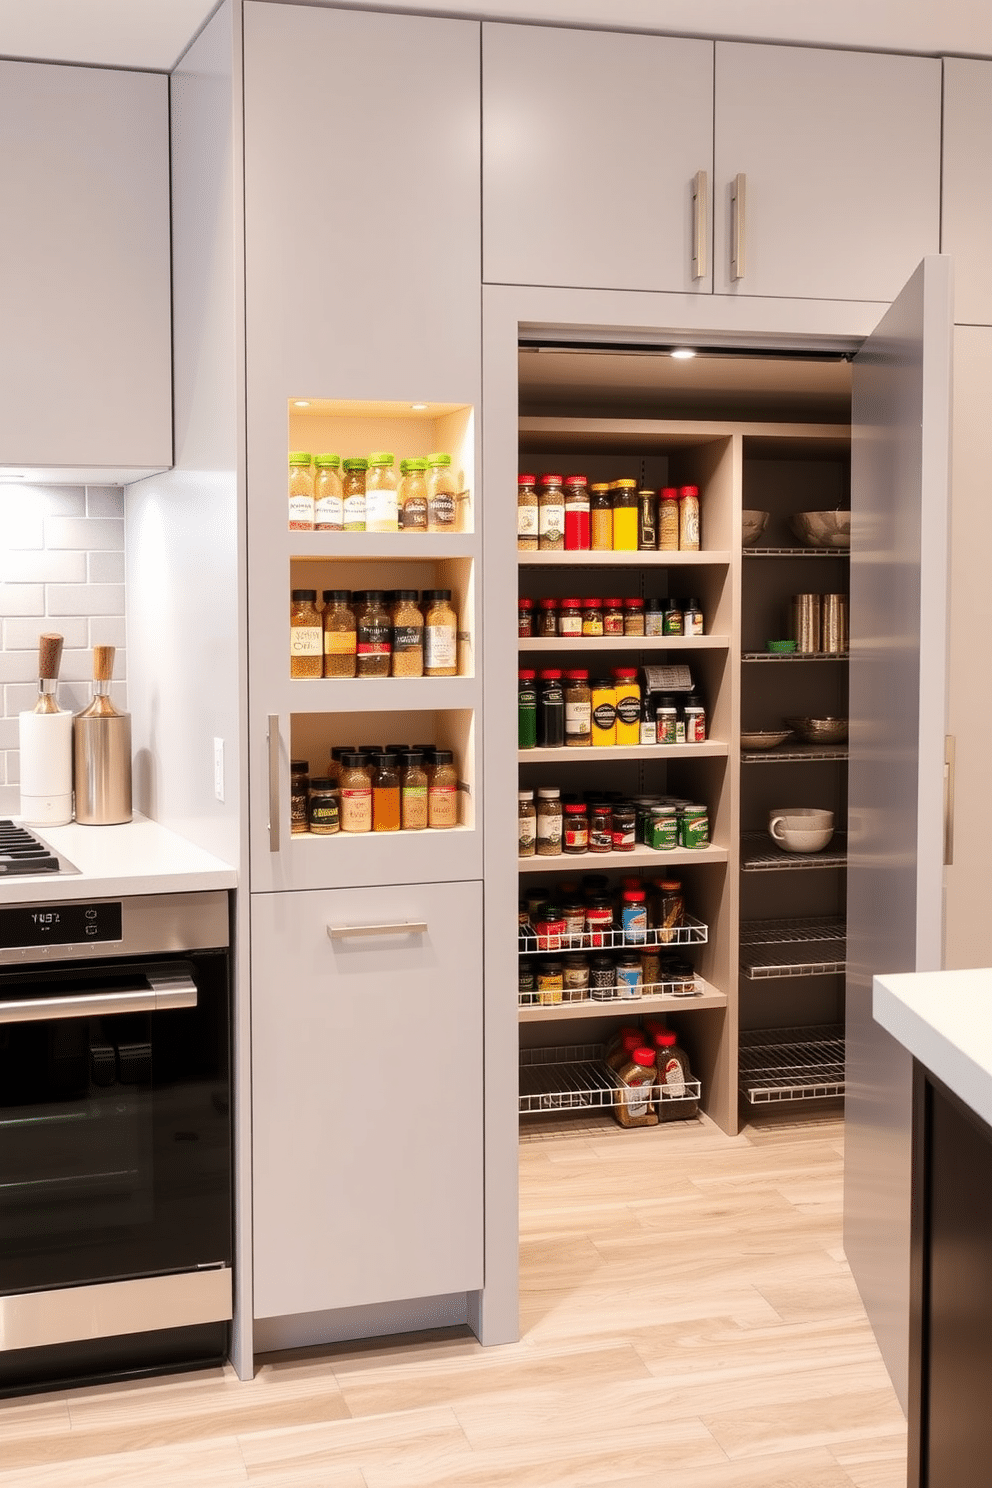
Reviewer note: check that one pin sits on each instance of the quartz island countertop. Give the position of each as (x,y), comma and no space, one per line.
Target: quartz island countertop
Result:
(137,857)
(944,1019)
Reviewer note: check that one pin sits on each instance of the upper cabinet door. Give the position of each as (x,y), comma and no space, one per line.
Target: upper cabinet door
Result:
(362,214)
(592,144)
(836,157)
(86,371)
(967,203)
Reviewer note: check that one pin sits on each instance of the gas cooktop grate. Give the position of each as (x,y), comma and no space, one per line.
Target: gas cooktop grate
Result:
(22,852)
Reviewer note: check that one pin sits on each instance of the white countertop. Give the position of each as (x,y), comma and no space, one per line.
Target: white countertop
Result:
(138,857)
(944,1019)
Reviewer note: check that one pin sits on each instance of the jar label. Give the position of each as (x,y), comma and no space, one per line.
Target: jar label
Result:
(551,520)
(570,625)
(693,622)
(356,810)
(613,623)
(666,727)
(441,509)
(527,521)
(373,638)
(340,642)
(576,839)
(654,623)
(354,512)
(329,513)
(415,513)
(604,716)
(629,980)
(578,718)
(440,646)
(633,1099)
(674,1077)
(649,731)
(301,513)
(408,637)
(689,533)
(695,727)
(381,513)
(592,625)
(306,640)
(526,832)
(442,806)
(413,800)
(629,710)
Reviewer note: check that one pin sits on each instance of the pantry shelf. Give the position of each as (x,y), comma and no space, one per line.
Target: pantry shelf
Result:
(639,857)
(794,753)
(578,644)
(414,547)
(794,656)
(796,552)
(704,996)
(572,1077)
(709,749)
(790,948)
(690,932)
(608,558)
(792,1064)
(760,855)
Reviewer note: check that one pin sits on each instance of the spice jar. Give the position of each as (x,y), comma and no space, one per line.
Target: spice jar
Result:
(674,621)
(694,827)
(668,908)
(668,519)
(692,618)
(599,920)
(647,514)
(575,977)
(413,497)
(323,815)
(576,827)
(550,710)
(666,719)
(328,511)
(654,617)
(355,793)
(573,912)
(549,821)
(340,634)
(526,709)
(695,719)
(440,634)
(628,706)
(613,617)
(299,786)
(601,829)
(408,635)
(353,493)
(525,618)
(526,984)
(551,514)
(527,533)
(550,928)
(373,648)
(633,617)
(442,791)
(604,713)
(381,500)
(570,618)
(592,617)
(578,708)
(624,829)
(577,514)
(442,494)
(602,978)
(385,793)
(601,518)
(300,492)
(526,824)
(550,983)
(306,640)
(625,516)
(630,976)
(548,618)
(413,791)
(689,519)
(634,916)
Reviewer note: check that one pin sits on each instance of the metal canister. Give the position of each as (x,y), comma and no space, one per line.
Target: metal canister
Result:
(806,622)
(835,623)
(694,827)
(102,752)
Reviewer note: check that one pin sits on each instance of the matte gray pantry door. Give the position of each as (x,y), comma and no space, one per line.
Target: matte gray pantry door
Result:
(592,142)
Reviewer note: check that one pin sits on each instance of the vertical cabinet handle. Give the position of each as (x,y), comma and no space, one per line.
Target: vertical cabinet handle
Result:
(738,210)
(700,192)
(950,748)
(272,736)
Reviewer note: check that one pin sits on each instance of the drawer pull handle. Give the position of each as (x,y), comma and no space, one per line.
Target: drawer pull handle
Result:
(738,207)
(700,189)
(353,932)
(272,737)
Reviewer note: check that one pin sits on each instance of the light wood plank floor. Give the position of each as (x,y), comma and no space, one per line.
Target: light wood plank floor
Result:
(688,1317)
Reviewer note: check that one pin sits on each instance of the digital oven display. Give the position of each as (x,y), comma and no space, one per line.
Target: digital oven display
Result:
(23,926)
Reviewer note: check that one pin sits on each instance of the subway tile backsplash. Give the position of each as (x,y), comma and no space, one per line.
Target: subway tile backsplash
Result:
(61,569)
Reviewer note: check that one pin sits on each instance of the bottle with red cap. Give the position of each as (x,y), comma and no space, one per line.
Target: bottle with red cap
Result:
(577,530)
(527,535)
(689,519)
(635,1106)
(675,1103)
(551,514)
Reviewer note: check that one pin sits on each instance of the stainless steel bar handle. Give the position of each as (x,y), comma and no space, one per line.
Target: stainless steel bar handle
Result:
(272,737)
(950,752)
(163,994)
(354,932)
(700,194)
(738,209)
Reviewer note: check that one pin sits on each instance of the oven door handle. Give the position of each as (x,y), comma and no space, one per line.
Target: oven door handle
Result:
(164,994)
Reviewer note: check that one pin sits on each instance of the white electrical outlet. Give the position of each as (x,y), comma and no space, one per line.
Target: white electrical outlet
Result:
(219,769)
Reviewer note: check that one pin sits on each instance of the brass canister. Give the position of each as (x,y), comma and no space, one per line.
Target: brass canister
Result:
(835,624)
(101,747)
(806,623)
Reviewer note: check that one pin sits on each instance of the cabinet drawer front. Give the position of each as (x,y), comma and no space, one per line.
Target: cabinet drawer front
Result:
(367,1095)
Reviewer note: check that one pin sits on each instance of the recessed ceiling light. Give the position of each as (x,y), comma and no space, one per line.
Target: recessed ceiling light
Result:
(419,407)
(683,353)
(301,403)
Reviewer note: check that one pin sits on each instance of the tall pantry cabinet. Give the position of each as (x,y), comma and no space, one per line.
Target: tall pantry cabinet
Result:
(362,333)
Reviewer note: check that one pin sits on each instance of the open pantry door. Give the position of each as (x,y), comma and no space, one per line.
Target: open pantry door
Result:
(900,483)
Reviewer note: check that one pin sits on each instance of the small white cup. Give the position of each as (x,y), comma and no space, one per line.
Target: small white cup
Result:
(795,834)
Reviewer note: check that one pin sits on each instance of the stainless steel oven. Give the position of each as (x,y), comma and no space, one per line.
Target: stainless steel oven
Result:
(115,1137)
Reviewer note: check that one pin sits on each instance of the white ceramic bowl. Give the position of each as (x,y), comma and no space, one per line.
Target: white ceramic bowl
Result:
(823,529)
(798,839)
(802,817)
(754,525)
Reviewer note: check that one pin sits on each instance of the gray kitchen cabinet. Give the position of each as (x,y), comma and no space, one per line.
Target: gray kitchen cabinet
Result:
(367,1075)
(85,300)
(591,146)
(836,160)
(966,220)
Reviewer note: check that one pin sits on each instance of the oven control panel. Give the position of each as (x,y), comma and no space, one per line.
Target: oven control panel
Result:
(33,926)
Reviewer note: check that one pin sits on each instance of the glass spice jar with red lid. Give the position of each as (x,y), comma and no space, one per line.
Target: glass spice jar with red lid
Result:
(633,617)
(592,617)
(577,530)
(547,617)
(613,616)
(570,617)
(575,828)
(525,618)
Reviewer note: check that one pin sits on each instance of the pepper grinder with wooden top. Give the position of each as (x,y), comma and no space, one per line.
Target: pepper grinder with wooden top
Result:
(45,738)
(102,752)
